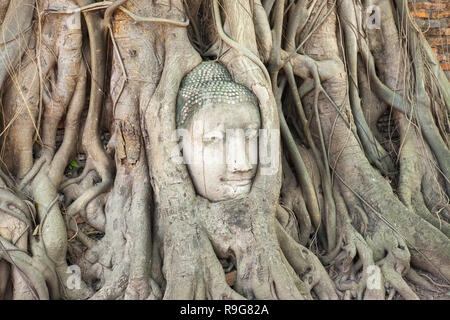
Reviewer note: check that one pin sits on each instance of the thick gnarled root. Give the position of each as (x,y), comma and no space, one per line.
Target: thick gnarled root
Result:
(195,273)
(307,266)
(30,277)
(373,260)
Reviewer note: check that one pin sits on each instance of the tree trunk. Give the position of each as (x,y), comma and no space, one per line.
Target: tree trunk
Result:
(337,209)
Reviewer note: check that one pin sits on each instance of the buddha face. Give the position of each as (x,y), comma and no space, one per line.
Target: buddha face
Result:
(220,148)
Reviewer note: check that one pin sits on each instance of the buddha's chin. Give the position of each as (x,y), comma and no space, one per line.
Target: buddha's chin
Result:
(229,191)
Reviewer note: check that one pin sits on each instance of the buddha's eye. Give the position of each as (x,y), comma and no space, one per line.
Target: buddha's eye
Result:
(213,137)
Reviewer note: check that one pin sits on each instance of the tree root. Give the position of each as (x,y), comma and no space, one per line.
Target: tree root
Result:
(159,239)
(307,266)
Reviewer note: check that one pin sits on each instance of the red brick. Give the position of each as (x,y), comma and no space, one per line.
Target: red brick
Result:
(419,14)
(426,24)
(440,15)
(438,32)
(445,66)
(427,6)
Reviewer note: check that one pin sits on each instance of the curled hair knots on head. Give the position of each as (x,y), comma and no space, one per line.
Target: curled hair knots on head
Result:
(207,84)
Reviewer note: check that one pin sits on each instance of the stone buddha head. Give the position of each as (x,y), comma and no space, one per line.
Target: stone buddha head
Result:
(220,121)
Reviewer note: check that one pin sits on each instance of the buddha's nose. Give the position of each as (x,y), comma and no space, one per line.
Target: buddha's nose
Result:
(240,167)
(237,159)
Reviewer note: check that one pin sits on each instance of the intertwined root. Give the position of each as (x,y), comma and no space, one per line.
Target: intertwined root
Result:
(371,237)
(363,274)
(307,266)
(196,274)
(279,268)
(31,277)
(14,231)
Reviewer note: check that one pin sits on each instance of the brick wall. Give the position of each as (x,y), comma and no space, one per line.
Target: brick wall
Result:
(433,17)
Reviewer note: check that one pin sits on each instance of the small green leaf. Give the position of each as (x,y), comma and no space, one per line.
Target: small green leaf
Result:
(73,164)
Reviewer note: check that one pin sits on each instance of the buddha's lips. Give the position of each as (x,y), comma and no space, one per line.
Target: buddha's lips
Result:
(238,177)
(239,182)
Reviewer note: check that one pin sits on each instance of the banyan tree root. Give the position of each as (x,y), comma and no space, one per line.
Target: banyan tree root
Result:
(31,277)
(367,196)
(333,221)
(243,230)
(55,87)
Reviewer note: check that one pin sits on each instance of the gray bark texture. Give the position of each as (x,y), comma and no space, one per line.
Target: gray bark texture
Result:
(92,205)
